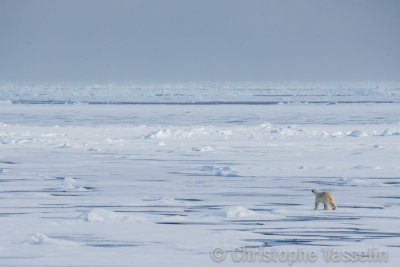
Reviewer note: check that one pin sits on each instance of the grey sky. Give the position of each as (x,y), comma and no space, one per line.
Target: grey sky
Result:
(202,40)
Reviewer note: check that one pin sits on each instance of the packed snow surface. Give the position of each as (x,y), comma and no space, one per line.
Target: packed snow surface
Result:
(164,175)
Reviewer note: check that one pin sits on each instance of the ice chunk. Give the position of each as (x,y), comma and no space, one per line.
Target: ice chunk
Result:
(357,133)
(42,239)
(70,183)
(389,132)
(202,149)
(220,171)
(233,212)
(238,212)
(104,215)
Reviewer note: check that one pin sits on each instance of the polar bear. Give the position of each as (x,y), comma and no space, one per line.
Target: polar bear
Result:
(324,197)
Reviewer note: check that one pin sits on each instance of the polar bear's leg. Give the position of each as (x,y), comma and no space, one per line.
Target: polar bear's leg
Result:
(333,205)
(326,205)
(316,204)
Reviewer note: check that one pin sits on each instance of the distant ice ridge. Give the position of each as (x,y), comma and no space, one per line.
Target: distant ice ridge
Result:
(185,133)
(269,92)
(5,102)
(358,182)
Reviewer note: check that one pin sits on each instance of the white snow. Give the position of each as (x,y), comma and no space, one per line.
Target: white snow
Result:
(163,184)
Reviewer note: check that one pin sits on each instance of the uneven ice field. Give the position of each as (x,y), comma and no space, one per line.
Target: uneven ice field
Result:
(202,93)
(163,185)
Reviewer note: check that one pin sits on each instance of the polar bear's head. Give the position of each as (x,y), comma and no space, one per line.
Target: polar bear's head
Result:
(315,191)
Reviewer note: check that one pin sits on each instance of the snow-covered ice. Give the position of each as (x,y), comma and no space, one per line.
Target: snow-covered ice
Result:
(161,175)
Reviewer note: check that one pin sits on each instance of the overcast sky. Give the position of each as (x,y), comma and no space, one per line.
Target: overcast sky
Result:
(199,40)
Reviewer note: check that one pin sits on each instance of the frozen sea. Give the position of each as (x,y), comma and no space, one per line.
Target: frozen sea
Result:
(200,174)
